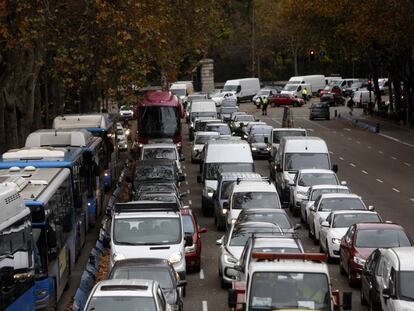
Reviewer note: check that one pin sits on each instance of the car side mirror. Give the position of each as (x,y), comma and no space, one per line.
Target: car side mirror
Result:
(232,273)
(232,298)
(297,226)
(182,283)
(343,183)
(189,240)
(183,194)
(371,208)
(386,293)
(312,208)
(199,180)
(325,224)
(335,168)
(347,301)
(219,242)
(202,230)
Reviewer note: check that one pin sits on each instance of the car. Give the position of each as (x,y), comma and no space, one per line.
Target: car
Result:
(126,295)
(236,113)
(219,97)
(277,100)
(200,139)
(336,225)
(159,270)
(313,193)
(225,113)
(259,138)
(332,99)
(126,112)
(233,242)
(156,170)
(362,239)
(162,151)
(121,137)
(277,135)
(306,178)
(370,280)
(276,216)
(195,96)
(193,252)
(319,111)
(332,88)
(265,93)
(199,125)
(221,128)
(169,197)
(327,203)
(241,118)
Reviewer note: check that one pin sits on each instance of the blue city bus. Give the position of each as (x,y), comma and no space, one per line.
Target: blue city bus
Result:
(71,158)
(100,125)
(17,286)
(48,194)
(93,160)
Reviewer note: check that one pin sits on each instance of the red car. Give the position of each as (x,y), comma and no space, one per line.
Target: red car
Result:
(192,253)
(361,240)
(277,100)
(331,89)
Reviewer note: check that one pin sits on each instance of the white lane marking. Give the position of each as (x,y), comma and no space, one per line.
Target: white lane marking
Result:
(342,135)
(408,164)
(190,202)
(185,174)
(358,142)
(341,158)
(347,129)
(352,164)
(397,140)
(396,190)
(365,172)
(205,307)
(379,180)
(311,130)
(330,152)
(394,158)
(369,147)
(412,200)
(277,121)
(349,138)
(379,151)
(186,182)
(201,274)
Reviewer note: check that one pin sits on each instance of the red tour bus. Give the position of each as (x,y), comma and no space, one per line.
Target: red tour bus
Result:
(159,117)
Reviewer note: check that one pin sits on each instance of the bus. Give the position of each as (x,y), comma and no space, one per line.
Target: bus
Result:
(93,160)
(159,118)
(48,194)
(17,283)
(100,125)
(48,157)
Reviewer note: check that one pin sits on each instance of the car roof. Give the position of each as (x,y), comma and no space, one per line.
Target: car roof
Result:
(256,224)
(142,262)
(293,129)
(276,241)
(161,145)
(235,175)
(341,212)
(315,170)
(339,195)
(317,187)
(287,265)
(404,256)
(206,133)
(124,288)
(254,186)
(378,225)
(154,162)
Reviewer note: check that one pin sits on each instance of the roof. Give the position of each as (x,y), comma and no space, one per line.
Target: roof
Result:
(160,145)
(304,143)
(289,129)
(97,120)
(404,256)
(11,205)
(228,151)
(255,224)
(123,288)
(378,225)
(235,175)
(341,212)
(206,134)
(59,138)
(340,195)
(254,186)
(317,187)
(276,241)
(287,265)
(159,98)
(315,170)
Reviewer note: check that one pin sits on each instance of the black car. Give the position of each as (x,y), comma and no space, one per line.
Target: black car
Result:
(159,270)
(370,291)
(333,99)
(156,170)
(169,197)
(319,111)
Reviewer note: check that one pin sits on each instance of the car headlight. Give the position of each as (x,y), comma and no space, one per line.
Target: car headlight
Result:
(175,258)
(245,136)
(360,261)
(190,249)
(106,174)
(254,148)
(268,148)
(178,144)
(224,211)
(210,192)
(118,257)
(336,241)
(230,260)
(127,132)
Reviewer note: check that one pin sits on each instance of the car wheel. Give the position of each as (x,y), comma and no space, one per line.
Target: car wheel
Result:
(341,266)
(351,281)
(197,267)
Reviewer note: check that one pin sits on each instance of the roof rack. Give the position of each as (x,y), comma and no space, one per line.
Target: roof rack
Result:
(133,207)
(316,257)
(240,179)
(275,234)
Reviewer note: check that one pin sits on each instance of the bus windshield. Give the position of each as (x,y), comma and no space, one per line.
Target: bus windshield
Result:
(159,122)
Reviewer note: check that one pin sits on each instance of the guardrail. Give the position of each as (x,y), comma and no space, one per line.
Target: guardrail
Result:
(88,278)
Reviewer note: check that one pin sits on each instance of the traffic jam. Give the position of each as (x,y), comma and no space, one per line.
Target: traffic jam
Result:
(55,190)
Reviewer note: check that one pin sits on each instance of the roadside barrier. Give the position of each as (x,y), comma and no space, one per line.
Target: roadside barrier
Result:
(88,278)
(358,123)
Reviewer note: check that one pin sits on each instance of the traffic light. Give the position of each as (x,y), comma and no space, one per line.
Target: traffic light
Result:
(312,54)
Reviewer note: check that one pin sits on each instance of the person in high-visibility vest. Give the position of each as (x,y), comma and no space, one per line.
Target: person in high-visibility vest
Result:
(305,94)
(264,103)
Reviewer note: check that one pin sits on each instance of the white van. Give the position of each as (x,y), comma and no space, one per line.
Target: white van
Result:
(296,89)
(317,82)
(203,109)
(222,156)
(296,153)
(244,89)
(182,89)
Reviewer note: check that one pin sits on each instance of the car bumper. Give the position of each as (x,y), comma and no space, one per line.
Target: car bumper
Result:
(224,266)
(261,152)
(180,269)
(333,250)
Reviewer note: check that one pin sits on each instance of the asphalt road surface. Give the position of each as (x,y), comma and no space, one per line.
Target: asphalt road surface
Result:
(378,167)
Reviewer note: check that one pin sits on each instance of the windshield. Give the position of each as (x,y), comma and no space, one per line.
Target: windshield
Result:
(298,161)
(318,192)
(228,110)
(263,92)
(255,200)
(221,129)
(202,139)
(280,219)
(147,231)
(279,249)
(347,220)
(277,135)
(161,275)
(290,87)
(240,236)
(158,122)
(158,197)
(406,285)
(337,204)
(289,290)
(159,153)
(157,188)
(376,238)
(261,130)
(154,172)
(311,179)
(203,114)
(214,169)
(179,92)
(188,224)
(231,88)
(259,138)
(244,118)
(121,303)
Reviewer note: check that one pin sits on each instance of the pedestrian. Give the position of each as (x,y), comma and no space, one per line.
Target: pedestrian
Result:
(264,103)
(305,94)
(350,105)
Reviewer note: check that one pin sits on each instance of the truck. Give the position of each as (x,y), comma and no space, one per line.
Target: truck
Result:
(286,281)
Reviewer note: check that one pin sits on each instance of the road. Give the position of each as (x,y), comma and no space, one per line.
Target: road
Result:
(377,167)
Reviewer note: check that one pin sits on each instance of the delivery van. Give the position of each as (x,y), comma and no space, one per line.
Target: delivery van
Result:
(244,89)
(316,82)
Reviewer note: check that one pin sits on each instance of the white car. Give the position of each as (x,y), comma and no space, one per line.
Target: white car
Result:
(335,226)
(328,203)
(313,193)
(219,97)
(200,139)
(306,178)
(127,295)
(233,242)
(122,138)
(126,112)
(162,151)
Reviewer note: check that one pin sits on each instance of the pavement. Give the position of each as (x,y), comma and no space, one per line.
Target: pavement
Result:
(378,167)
